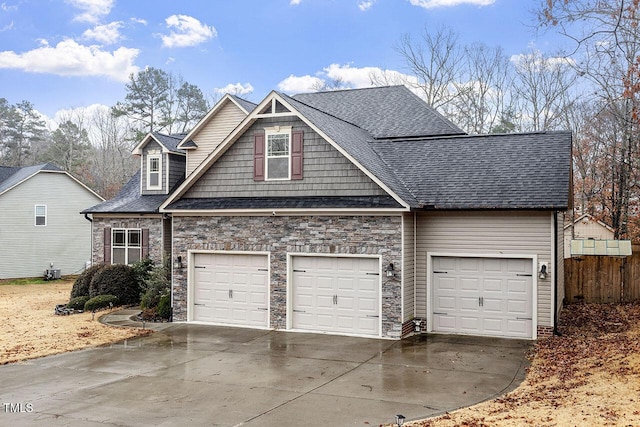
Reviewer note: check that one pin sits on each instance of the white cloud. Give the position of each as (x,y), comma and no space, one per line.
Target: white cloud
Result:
(235,89)
(68,58)
(347,77)
(430,4)
(365,5)
(186,31)
(8,8)
(537,60)
(294,2)
(7,27)
(93,10)
(138,21)
(300,84)
(105,34)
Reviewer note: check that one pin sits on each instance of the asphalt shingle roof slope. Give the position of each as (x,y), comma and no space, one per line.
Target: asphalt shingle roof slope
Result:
(129,200)
(509,171)
(10,176)
(247,105)
(384,112)
(356,142)
(170,141)
(298,202)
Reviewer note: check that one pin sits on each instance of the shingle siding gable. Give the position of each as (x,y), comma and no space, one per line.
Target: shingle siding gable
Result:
(326,172)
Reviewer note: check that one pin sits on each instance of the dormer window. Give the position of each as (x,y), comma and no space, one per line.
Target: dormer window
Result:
(278,153)
(154,171)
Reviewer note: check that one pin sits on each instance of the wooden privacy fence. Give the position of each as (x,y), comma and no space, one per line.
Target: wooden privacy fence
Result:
(603,279)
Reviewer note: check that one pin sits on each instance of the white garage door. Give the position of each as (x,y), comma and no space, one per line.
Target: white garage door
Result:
(482,296)
(231,289)
(336,294)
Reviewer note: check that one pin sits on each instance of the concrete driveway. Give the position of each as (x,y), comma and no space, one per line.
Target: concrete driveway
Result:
(219,376)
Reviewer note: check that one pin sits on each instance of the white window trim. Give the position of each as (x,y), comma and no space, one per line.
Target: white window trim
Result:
(159,158)
(126,243)
(35,216)
(276,130)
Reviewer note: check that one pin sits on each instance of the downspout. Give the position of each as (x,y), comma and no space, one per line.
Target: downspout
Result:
(86,216)
(555,276)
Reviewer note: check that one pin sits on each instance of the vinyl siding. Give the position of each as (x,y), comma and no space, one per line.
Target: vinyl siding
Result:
(212,134)
(408,275)
(326,171)
(176,169)
(27,250)
(153,148)
(494,233)
(560,261)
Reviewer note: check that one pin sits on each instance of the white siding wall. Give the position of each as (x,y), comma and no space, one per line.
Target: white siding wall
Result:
(212,134)
(486,233)
(27,250)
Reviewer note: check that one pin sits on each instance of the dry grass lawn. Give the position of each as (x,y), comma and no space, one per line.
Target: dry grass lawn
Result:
(589,376)
(30,328)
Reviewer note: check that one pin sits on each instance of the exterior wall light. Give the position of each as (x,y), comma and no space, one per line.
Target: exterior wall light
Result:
(543,270)
(389,270)
(400,420)
(177,264)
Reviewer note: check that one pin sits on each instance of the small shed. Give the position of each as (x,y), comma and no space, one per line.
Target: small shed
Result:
(585,227)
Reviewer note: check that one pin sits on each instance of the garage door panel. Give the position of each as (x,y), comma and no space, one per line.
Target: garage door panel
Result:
(483,296)
(340,293)
(232,287)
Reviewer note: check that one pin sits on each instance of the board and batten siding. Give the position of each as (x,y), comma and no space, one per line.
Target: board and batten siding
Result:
(212,134)
(408,264)
(27,250)
(326,172)
(486,233)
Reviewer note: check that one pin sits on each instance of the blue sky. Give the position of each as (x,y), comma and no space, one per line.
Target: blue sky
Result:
(63,54)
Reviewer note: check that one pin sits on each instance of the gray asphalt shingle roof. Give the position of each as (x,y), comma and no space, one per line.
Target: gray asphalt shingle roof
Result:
(129,200)
(10,176)
(343,202)
(384,112)
(170,142)
(509,171)
(247,105)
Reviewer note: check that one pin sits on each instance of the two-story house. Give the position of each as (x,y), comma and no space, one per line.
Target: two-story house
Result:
(362,212)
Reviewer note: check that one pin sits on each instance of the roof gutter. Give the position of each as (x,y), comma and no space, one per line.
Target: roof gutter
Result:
(555,276)
(86,216)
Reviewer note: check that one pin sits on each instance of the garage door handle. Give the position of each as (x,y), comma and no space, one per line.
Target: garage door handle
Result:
(371,315)
(195,303)
(440,272)
(524,275)
(373,274)
(263,309)
(299,311)
(441,314)
(199,266)
(524,318)
(299,271)
(263,269)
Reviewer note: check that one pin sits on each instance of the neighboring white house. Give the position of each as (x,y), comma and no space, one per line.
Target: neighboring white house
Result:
(40,221)
(585,227)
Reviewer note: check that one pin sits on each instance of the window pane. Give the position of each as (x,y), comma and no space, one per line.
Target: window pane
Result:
(154,164)
(41,210)
(278,168)
(40,220)
(118,256)
(278,145)
(134,255)
(134,238)
(154,179)
(119,238)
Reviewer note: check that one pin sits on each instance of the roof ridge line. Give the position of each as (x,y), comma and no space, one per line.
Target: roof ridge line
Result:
(328,114)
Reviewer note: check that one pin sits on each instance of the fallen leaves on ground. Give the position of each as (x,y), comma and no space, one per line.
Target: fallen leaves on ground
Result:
(590,375)
(30,328)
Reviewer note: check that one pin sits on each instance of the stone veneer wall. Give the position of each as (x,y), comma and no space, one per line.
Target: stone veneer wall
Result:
(379,235)
(154,224)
